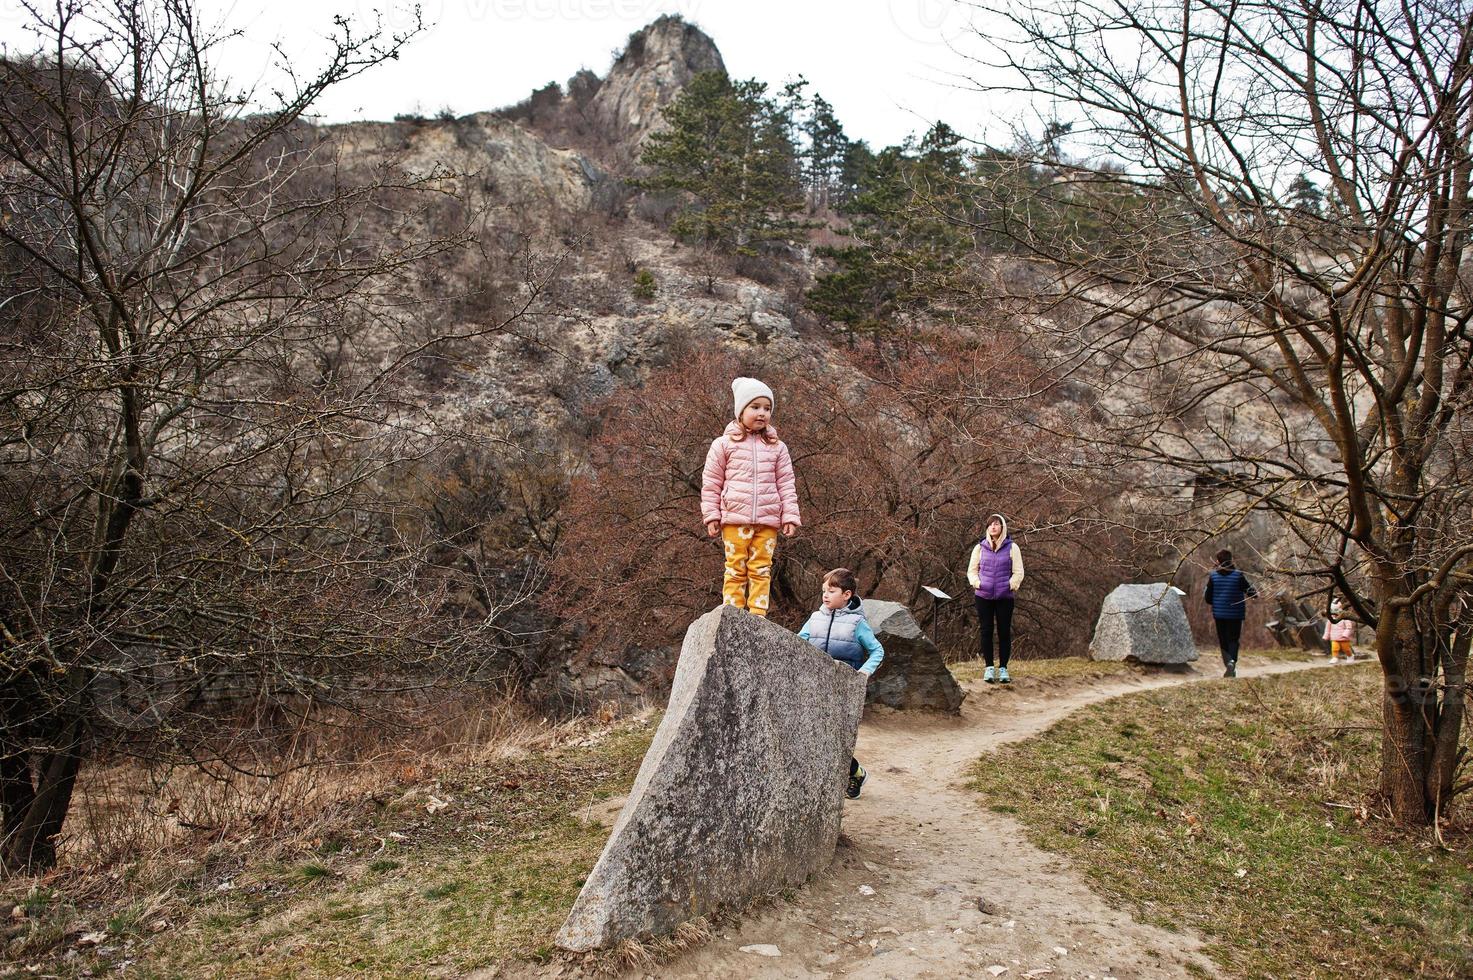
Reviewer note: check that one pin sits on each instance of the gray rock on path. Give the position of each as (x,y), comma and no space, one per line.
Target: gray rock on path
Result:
(1145,623)
(741,790)
(913,674)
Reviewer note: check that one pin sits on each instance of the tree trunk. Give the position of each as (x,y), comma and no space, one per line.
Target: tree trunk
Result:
(34,815)
(1447,741)
(1409,709)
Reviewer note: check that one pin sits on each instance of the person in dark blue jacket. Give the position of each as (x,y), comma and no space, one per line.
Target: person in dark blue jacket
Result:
(1228,591)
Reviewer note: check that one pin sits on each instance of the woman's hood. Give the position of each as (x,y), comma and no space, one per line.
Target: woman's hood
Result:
(999,518)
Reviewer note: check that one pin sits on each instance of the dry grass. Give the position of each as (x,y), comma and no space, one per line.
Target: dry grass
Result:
(129,810)
(1246,811)
(389,822)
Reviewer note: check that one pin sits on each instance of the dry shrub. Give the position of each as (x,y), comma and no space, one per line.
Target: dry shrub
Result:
(767,268)
(899,458)
(289,795)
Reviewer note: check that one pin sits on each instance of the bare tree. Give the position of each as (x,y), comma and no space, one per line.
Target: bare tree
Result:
(1311,361)
(210,319)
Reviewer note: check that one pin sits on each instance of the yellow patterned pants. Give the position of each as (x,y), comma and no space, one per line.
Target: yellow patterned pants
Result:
(748,579)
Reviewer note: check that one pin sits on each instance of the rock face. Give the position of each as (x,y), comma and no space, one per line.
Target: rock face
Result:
(658,62)
(741,791)
(913,675)
(516,167)
(1145,623)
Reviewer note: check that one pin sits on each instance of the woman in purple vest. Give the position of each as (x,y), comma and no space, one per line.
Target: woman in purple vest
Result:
(995,570)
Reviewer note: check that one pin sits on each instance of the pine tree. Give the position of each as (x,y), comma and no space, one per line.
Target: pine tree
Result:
(729,148)
(1305,198)
(823,157)
(854,163)
(911,247)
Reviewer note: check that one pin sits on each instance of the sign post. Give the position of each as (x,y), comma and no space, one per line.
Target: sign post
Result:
(937,598)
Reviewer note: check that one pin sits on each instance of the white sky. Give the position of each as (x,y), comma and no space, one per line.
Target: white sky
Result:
(883,64)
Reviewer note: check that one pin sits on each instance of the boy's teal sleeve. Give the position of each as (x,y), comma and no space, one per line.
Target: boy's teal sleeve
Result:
(803,633)
(871,644)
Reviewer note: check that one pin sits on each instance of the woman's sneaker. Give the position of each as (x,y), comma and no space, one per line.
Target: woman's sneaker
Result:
(856,783)
(989,676)
(1002,676)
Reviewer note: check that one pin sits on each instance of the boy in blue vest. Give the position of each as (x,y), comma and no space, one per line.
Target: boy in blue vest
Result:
(840,630)
(1228,591)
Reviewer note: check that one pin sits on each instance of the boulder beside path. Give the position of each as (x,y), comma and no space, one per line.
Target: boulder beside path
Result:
(1146,623)
(913,673)
(742,788)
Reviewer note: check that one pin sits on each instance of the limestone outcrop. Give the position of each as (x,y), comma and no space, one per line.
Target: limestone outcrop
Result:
(511,164)
(1146,623)
(657,63)
(913,675)
(741,791)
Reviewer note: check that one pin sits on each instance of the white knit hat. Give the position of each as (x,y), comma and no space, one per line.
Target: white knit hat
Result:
(745,390)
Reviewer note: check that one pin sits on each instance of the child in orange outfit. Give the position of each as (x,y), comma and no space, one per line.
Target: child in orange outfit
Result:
(1341,634)
(748,495)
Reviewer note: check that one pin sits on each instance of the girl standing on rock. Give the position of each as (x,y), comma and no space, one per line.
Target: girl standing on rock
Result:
(995,570)
(748,495)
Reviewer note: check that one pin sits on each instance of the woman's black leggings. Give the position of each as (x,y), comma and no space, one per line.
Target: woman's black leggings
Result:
(999,611)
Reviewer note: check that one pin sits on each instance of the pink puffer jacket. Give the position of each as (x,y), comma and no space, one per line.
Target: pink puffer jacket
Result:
(749,481)
(1340,629)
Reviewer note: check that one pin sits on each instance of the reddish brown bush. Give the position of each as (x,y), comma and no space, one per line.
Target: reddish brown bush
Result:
(899,460)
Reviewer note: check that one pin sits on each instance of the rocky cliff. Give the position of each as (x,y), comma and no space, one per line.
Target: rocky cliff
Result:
(657,63)
(606,119)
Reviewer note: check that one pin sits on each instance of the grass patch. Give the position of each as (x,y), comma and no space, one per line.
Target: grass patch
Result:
(487,878)
(1239,808)
(475,869)
(442,891)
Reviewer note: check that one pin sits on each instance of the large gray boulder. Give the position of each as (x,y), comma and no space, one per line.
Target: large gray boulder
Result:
(741,790)
(1145,623)
(913,675)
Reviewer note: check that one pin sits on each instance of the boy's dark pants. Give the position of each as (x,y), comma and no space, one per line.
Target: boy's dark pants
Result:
(1229,632)
(1001,612)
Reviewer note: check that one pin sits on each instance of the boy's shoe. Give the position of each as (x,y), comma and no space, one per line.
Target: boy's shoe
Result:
(1334,660)
(856,783)
(1002,676)
(1232,669)
(989,676)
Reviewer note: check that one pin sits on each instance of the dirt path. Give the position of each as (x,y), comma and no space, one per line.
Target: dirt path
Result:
(930,851)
